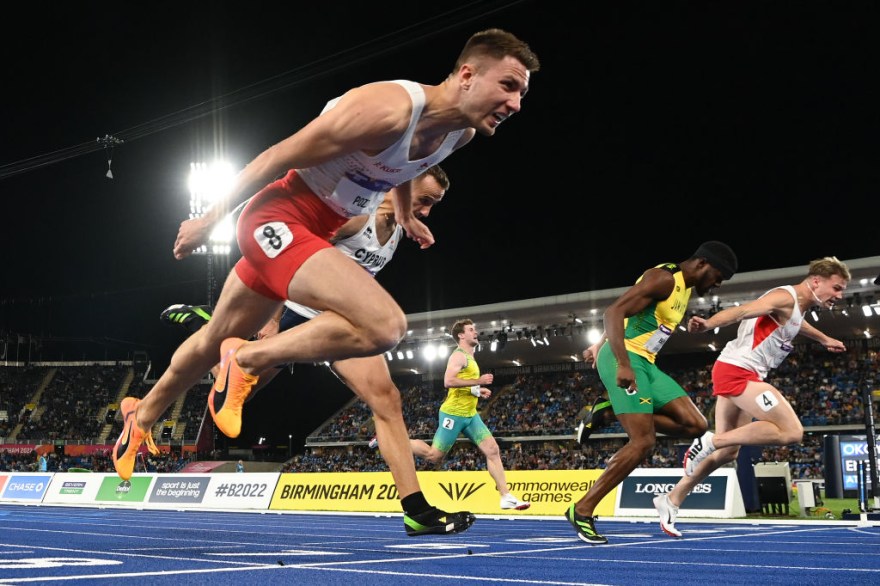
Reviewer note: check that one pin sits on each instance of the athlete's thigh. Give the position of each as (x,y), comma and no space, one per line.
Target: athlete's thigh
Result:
(448,429)
(476,430)
(330,281)
(728,415)
(762,401)
(239,312)
(664,388)
(623,401)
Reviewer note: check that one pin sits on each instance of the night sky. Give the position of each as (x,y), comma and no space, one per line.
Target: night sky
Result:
(651,127)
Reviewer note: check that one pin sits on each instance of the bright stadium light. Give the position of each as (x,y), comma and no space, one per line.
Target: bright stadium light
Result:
(429,352)
(207,183)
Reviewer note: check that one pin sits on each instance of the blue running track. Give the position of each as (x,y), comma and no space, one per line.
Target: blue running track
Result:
(45,545)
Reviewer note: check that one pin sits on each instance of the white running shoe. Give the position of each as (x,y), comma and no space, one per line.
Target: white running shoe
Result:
(374,443)
(668,512)
(509,501)
(700,449)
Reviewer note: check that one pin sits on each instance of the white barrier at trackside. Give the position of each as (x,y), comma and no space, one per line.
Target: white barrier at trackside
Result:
(718,496)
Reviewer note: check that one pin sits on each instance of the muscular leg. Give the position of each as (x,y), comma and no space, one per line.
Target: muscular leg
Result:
(777,425)
(680,418)
(642,436)
(489,447)
(421,449)
(359,318)
(370,380)
(199,352)
(727,416)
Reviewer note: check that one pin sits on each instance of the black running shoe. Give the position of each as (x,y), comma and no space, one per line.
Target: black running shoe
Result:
(191,317)
(594,419)
(437,522)
(585,527)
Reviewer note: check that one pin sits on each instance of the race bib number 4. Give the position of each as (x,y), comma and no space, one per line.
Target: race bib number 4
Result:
(273,238)
(766,401)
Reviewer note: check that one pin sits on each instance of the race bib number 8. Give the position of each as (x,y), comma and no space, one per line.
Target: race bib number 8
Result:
(273,238)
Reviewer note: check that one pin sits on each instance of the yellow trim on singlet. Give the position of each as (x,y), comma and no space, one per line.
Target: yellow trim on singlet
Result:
(666,314)
(459,400)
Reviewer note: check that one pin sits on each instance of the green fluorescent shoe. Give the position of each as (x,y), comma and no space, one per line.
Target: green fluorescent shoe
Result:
(586,530)
(594,419)
(191,317)
(437,522)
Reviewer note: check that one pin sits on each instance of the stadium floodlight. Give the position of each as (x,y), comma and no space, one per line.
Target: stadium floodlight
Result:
(206,184)
(429,352)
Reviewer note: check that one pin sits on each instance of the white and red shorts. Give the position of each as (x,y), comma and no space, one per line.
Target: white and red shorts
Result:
(281,227)
(728,379)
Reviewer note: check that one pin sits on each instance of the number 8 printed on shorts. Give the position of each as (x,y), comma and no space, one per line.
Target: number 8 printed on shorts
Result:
(273,238)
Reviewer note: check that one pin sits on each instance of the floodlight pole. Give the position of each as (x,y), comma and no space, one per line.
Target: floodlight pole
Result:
(210,279)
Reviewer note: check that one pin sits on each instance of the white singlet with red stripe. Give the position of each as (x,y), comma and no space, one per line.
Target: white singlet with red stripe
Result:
(356,183)
(761,343)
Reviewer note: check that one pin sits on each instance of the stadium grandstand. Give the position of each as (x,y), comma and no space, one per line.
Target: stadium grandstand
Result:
(69,410)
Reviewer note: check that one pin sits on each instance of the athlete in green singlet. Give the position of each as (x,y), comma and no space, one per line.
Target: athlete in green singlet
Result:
(645,399)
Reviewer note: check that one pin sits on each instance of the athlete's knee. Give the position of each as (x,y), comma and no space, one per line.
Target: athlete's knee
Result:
(643,444)
(385,402)
(792,433)
(694,424)
(435,456)
(490,449)
(385,331)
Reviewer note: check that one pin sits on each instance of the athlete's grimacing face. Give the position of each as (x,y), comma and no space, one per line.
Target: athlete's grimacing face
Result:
(828,290)
(494,91)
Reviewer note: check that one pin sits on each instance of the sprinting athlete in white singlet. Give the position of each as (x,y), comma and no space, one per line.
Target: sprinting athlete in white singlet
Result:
(749,410)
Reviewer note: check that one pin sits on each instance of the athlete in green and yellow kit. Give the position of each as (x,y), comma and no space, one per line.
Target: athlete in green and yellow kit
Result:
(645,399)
(458,413)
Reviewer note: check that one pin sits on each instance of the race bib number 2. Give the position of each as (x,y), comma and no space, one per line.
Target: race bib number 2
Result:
(273,238)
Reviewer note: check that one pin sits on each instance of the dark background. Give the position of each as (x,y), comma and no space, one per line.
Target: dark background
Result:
(651,127)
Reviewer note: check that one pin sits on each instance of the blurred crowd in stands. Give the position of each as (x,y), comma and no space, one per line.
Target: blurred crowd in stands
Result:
(533,415)
(97,462)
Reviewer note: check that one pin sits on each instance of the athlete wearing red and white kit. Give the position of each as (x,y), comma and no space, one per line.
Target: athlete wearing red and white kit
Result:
(749,411)
(277,234)
(761,344)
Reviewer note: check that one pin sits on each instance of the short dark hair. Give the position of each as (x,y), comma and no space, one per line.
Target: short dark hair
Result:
(458,328)
(437,172)
(720,256)
(497,44)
